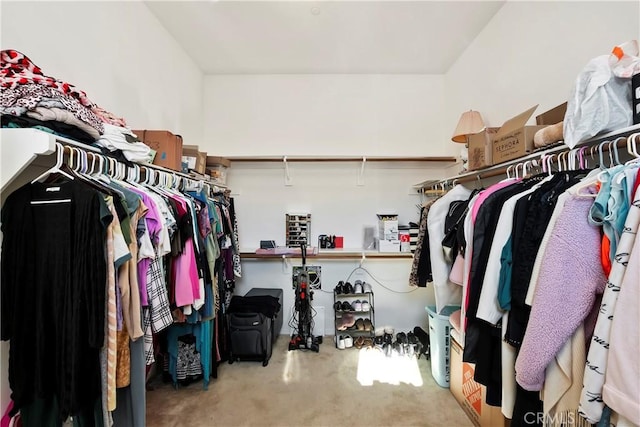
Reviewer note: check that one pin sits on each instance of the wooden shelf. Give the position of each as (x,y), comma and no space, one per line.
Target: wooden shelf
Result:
(443,159)
(330,254)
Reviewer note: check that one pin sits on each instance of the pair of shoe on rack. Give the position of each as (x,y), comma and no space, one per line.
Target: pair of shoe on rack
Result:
(361,305)
(342,306)
(363,324)
(357,305)
(360,287)
(343,288)
(344,341)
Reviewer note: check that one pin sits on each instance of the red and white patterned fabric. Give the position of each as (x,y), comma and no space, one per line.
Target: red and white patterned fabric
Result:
(16,70)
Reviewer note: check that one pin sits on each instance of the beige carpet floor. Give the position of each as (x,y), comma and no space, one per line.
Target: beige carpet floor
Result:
(299,388)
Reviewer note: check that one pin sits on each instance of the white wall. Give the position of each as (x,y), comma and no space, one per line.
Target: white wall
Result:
(531,53)
(338,206)
(324,114)
(118,53)
(326,190)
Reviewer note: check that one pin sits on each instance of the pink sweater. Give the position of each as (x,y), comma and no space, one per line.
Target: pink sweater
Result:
(570,277)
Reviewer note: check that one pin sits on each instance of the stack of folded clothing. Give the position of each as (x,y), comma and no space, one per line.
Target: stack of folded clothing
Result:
(29,98)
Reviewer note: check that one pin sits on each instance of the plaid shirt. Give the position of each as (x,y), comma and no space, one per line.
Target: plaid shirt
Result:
(157,316)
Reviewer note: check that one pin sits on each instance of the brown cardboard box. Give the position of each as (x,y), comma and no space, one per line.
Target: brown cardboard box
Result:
(214,160)
(217,168)
(514,139)
(480,149)
(553,116)
(471,395)
(196,160)
(168,147)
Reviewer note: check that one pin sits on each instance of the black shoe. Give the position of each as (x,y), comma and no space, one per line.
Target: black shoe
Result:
(401,337)
(346,306)
(340,287)
(387,350)
(388,339)
(337,306)
(347,288)
(398,348)
(411,338)
(409,350)
(378,340)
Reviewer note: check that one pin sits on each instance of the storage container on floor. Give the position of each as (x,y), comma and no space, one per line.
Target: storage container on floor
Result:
(439,340)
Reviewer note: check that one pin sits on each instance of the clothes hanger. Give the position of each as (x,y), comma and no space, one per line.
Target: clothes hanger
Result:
(616,153)
(632,148)
(583,159)
(601,156)
(508,171)
(56,169)
(610,148)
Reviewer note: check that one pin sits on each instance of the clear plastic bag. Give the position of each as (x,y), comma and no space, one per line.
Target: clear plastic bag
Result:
(600,100)
(624,60)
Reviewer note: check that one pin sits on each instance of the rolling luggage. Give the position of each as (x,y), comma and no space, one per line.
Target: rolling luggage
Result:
(254,323)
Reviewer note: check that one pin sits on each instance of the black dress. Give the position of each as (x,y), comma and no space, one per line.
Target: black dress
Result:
(53,293)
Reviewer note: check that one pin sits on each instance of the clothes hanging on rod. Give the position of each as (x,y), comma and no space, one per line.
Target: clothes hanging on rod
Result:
(533,273)
(143,258)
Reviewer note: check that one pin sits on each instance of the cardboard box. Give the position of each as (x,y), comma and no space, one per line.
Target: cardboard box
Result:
(215,160)
(471,395)
(480,149)
(196,160)
(388,227)
(389,246)
(514,139)
(168,147)
(217,168)
(553,116)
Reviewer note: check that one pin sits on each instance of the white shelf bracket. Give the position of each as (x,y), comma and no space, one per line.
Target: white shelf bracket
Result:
(287,174)
(285,265)
(360,181)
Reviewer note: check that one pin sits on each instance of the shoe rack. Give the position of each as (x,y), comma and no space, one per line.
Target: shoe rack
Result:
(354,315)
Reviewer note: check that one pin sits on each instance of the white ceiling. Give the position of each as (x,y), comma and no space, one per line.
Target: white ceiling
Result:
(272,37)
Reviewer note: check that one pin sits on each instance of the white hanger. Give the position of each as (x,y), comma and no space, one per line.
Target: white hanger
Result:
(632,148)
(508,171)
(56,168)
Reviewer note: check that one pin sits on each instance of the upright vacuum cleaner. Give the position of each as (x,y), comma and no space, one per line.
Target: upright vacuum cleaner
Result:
(302,338)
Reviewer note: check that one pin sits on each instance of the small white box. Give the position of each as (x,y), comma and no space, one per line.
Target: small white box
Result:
(389,246)
(388,227)
(190,161)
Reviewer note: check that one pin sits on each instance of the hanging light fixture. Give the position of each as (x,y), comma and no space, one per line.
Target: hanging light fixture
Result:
(470,122)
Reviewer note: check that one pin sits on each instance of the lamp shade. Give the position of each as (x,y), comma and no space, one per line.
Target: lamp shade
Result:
(470,122)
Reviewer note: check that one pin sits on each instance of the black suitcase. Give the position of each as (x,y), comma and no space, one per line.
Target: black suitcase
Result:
(254,323)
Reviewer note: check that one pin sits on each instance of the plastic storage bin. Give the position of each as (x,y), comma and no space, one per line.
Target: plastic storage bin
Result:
(440,342)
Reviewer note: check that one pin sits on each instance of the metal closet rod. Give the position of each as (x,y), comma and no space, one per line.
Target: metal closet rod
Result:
(92,152)
(501,169)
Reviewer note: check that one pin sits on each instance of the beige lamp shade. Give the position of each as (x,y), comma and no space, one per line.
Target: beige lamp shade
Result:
(470,122)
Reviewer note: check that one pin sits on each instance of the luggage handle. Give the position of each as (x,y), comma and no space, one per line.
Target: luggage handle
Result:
(244,315)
